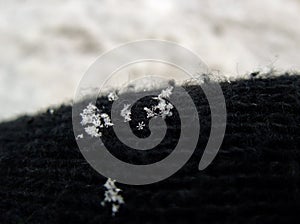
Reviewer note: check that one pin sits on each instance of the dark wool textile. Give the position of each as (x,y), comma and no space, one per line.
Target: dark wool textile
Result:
(255,178)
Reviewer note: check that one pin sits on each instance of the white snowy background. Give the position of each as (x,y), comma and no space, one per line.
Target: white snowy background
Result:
(46,46)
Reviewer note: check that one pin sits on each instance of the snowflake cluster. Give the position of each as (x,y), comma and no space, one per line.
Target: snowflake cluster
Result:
(163,108)
(112,196)
(94,120)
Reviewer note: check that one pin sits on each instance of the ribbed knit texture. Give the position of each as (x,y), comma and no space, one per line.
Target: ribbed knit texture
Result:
(255,177)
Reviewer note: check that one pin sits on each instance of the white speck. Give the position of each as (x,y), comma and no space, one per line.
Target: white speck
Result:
(51,111)
(115,208)
(79,136)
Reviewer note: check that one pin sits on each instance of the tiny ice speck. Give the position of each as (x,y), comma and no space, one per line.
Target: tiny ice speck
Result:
(79,136)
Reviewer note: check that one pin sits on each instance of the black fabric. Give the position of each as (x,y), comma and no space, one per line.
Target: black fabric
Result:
(255,177)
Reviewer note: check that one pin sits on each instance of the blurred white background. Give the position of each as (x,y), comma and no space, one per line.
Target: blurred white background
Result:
(46,46)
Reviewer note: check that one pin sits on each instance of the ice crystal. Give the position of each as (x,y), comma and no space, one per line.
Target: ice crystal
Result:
(166,93)
(126,113)
(112,196)
(106,119)
(150,112)
(164,108)
(140,125)
(112,96)
(79,136)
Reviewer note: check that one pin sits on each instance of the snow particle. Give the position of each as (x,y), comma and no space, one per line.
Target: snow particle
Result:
(79,136)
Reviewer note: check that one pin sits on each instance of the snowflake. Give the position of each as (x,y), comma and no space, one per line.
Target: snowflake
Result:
(112,196)
(141,125)
(112,96)
(125,112)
